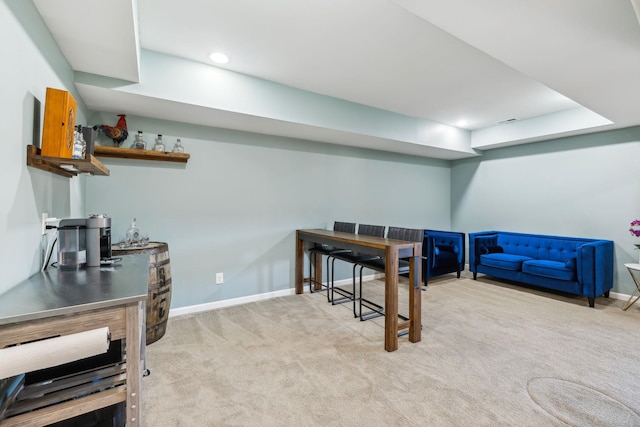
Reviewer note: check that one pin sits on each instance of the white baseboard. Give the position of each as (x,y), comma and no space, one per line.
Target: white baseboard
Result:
(228,302)
(252,298)
(616,295)
(258,297)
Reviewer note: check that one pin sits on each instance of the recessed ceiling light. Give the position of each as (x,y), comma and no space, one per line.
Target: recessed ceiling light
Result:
(219,58)
(462,123)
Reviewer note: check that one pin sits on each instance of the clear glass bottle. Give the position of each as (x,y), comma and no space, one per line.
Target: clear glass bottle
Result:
(132,237)
(77,144)
(177,147)
(84,142)
(159,145)
(139,143)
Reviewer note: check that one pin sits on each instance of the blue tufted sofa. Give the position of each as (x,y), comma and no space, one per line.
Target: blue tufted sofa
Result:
(569,264)
(443,253)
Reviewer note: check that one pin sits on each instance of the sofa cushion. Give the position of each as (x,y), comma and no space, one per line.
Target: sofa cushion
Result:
(445,248)
(539,247)
(492,249)
(552,269)
(445,259)
(502,260)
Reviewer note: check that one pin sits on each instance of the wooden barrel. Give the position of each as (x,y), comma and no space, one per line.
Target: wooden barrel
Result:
(159,297)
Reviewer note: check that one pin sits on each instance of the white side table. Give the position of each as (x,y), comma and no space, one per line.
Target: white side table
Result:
(634,270)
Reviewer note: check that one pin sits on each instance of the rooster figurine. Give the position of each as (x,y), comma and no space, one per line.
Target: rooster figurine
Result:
(117,133)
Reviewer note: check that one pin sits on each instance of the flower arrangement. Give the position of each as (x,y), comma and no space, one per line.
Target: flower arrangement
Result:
(635,230)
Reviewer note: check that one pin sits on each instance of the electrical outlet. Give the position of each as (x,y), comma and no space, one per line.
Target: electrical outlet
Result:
(219,278)
(43,229)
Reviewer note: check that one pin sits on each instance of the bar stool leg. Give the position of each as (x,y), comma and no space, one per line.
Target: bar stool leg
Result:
(330,279)
(346,295)
(311,261)
(354,291)
(376,310)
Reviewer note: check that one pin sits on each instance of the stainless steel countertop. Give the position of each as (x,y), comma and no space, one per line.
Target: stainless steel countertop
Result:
(56,292)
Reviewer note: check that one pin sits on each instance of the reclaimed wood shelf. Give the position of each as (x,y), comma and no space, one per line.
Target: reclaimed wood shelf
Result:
(133,153)
(64,167)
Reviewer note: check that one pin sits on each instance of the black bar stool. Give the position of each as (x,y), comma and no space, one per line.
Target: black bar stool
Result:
(354,257)
(329,252)
(378,264)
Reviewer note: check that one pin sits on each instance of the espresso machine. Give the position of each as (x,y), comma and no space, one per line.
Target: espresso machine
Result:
(84,242)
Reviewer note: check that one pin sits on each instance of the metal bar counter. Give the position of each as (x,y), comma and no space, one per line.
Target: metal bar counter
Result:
(56,292)
(55,303)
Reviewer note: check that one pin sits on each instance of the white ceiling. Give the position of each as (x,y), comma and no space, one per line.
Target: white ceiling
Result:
(559,67)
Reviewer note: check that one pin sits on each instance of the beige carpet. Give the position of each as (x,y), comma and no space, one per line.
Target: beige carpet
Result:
(491,355)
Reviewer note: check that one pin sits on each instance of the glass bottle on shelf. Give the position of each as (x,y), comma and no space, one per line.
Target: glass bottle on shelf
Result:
(177,147)
(159,145)
(83,141)
(77,144)
(139,143)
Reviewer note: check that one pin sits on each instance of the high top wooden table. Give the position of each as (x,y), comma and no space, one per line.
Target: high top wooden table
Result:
(391,250)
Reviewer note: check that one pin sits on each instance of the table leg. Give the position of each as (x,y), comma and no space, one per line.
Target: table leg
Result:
(415,295)
(317,272)
(629,302)
(637,291)
(391,299)
(299,267)
(133,350)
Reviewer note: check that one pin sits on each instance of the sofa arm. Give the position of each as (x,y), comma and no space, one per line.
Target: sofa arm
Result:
(445,252)
(445,255)
(480,243)
(594,267)
(445,241)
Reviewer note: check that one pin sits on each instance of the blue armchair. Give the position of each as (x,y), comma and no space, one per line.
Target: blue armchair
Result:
(444,252)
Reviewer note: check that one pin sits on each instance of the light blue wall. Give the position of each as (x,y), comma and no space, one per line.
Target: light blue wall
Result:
(235,206)
(31,61)
(583,186)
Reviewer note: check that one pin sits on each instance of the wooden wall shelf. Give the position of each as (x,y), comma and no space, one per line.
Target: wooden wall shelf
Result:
(64,167)
(132,153)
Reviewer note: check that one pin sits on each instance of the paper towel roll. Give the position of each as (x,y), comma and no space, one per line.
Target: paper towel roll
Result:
(42,354)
